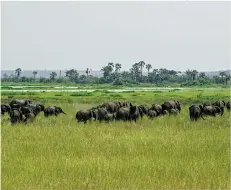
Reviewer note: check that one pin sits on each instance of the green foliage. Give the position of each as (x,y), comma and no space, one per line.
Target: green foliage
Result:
(82,94)
(118,81)
(135,75)
(157,96)
(53,75)
(107,72)
(73,75)
(18,72)
(58,95)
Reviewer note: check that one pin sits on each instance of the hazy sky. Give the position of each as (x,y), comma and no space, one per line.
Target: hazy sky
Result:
(64,35)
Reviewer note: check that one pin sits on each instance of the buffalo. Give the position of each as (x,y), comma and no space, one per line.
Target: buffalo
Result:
(195,112)
(53,110)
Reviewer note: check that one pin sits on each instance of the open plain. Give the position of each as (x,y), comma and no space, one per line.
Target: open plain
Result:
(167,152)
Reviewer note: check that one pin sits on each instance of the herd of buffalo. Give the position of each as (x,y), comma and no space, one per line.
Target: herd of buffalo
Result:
(24,110)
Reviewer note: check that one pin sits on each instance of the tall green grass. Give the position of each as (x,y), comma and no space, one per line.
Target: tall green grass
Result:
(164,153)
(98,97)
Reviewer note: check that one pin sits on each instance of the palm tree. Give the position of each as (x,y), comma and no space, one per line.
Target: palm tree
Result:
(88,72)
(222,74)
(216,78)
(117,67)
(141,65)
(135,72)
(227,78)
(202,75)
(194,73)
(189,74)
(111,64)
(35,73)
(148,67)
(53,75)
(18,72)
(156,75)
(125,75)
(110,67)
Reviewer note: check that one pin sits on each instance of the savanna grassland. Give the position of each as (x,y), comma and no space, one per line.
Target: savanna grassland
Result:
(168,152)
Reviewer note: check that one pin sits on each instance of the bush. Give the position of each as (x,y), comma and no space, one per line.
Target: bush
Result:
(118,82)
(82,94)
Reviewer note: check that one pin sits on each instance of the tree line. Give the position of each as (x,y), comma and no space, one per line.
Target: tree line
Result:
(111,73)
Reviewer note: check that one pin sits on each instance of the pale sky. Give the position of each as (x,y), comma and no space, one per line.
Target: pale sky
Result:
(64,35)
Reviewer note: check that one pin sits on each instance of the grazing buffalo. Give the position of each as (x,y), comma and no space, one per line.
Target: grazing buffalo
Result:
(5,108)
(134,113)
(53,110)
(152,113)
(16,116)
(95,113)
(220,104)
(110,117)
(195,112)
(228,106)
(26,110)
(173,104)
(173,111)
(21,102)
(211,110)
(157,108)
(123,114)
(165,112)
(30,116)
(111,107)
(207,104)
(84,115)
(102,112)
(143,110)
(37,108)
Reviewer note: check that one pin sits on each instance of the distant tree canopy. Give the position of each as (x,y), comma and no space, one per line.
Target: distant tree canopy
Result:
(112,74)
(35,73)
(53,75)
(72,75)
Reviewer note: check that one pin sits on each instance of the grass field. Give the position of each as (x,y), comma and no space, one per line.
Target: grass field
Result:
(164,153)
